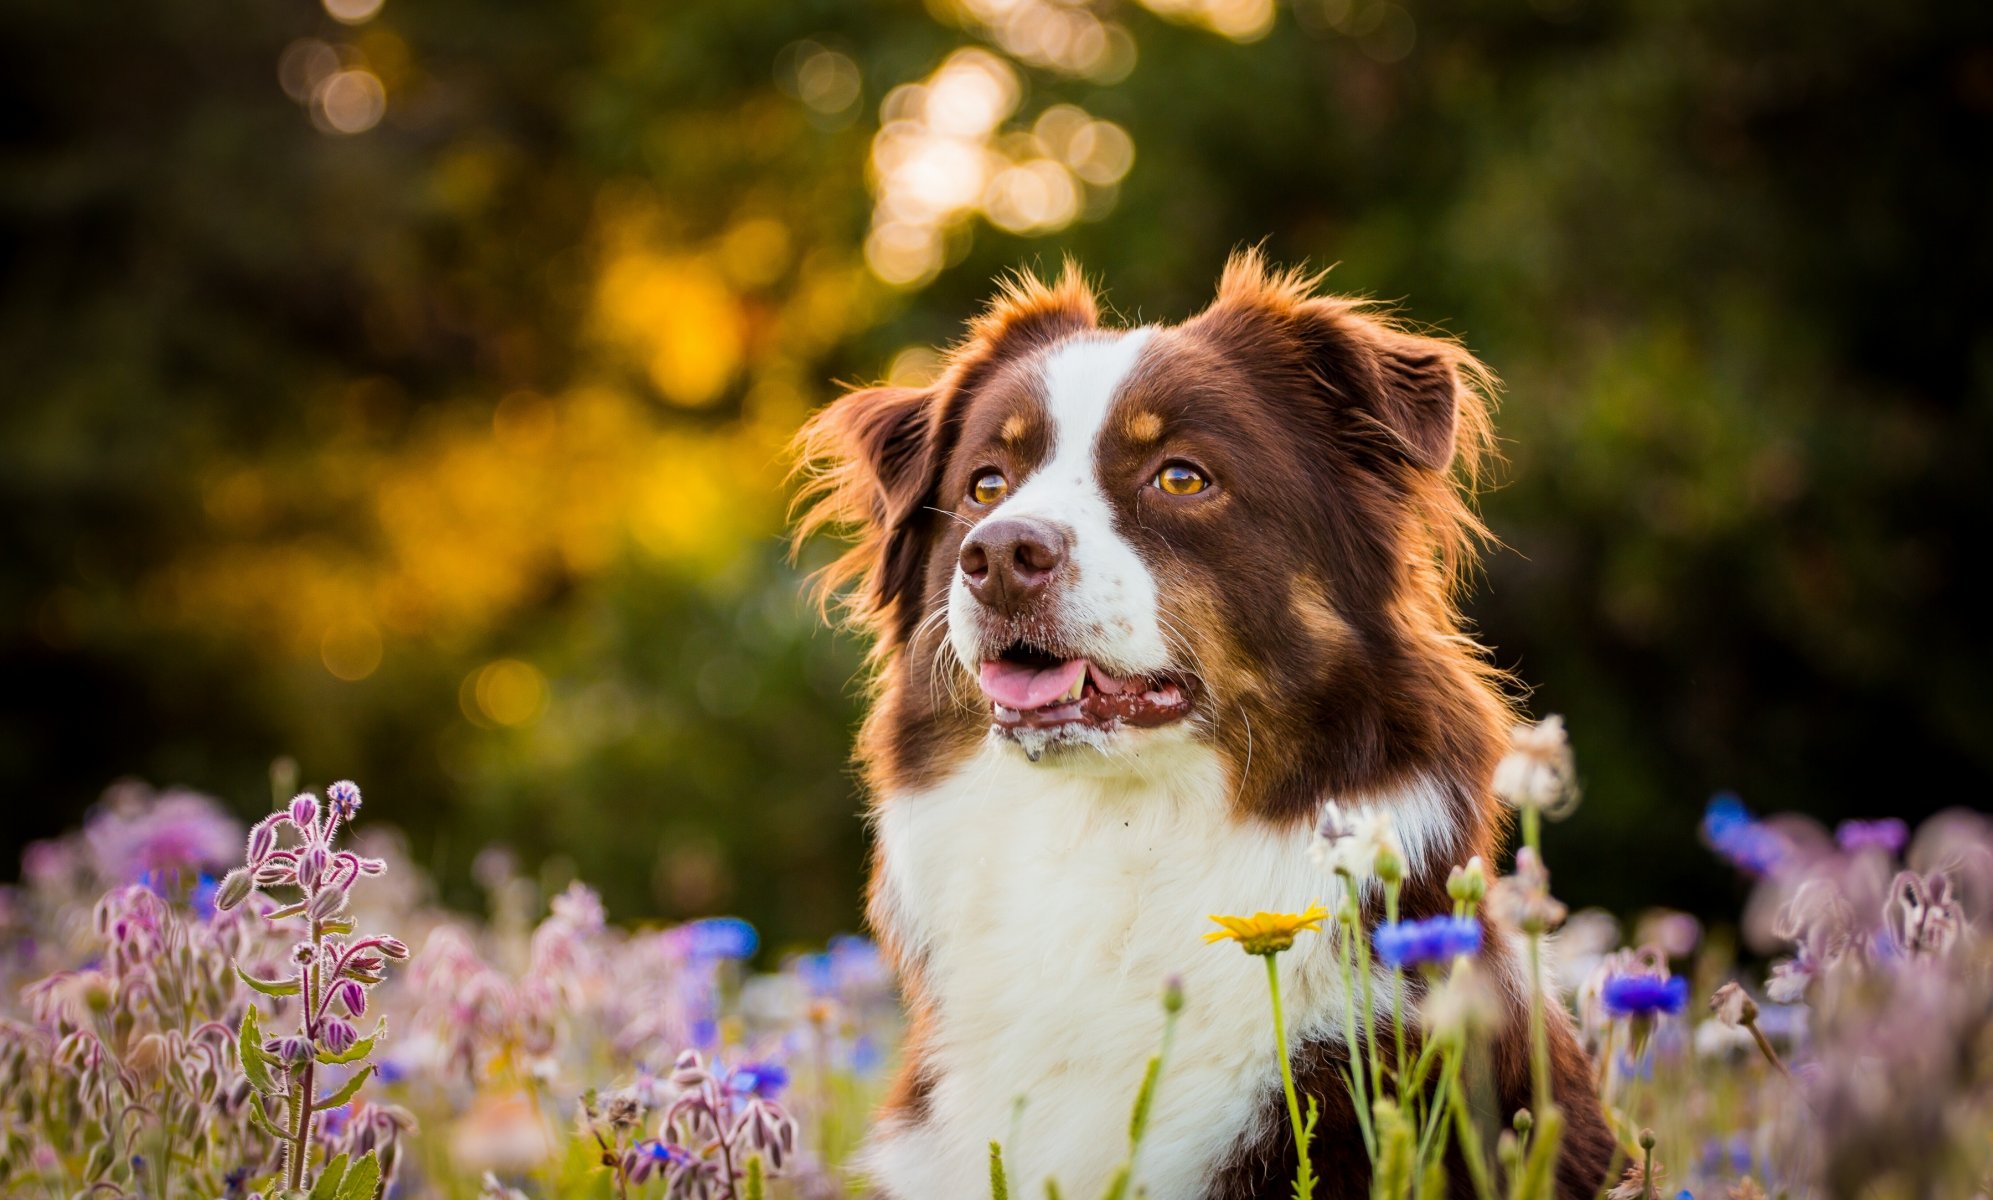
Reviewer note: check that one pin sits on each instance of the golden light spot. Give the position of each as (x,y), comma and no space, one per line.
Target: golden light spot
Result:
(349,102)
(1014,428)
(1145,426)
(755,252)
(351,649)
(509,692)
(679,317)
(915,366)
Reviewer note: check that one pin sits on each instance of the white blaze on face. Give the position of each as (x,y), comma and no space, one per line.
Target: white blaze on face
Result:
(1107,605)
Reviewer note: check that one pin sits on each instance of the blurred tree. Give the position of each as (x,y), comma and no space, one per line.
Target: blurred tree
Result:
(404,388)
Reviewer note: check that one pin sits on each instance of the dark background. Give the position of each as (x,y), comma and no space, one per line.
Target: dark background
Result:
(447,454)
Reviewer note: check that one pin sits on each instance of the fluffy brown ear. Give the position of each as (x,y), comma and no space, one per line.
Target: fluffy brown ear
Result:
(1407,391)
(1410,398)
(870,459)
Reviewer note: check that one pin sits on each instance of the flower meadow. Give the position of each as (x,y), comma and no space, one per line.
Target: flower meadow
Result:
(191,1008)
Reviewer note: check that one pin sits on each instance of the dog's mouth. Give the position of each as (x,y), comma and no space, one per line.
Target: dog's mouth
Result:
(1030,688)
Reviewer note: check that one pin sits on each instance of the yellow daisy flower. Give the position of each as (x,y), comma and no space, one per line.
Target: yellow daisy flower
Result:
(1266,933)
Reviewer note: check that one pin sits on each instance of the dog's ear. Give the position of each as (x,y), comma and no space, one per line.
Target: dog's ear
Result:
(871,458)
(1395,395)
(1402,393)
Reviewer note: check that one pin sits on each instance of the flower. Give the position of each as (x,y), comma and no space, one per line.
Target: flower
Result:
(765,1079)
(1888,835)
(1641,995)
(1468,884)
(722,937)
(1358,844)
(1538,772)
(1739,838)
(1419,943)
(1923,917)
(344,797)
(1523,899)
(1267,933)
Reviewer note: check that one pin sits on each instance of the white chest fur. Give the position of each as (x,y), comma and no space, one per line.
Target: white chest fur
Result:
(1049,906)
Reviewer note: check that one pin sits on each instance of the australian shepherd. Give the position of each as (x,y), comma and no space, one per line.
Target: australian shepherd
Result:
(1144,602)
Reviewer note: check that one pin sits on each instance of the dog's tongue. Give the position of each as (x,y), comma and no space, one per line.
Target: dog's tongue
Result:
(1021,687)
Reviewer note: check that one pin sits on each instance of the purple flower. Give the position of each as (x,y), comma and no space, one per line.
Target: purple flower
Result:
(304,811)
(337,1035)
(1435,940)
(344,797)
(1739,838)
(1645,995)
(723,937)
(1888,835)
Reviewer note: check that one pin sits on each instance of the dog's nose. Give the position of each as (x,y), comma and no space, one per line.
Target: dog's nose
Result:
(1009,562)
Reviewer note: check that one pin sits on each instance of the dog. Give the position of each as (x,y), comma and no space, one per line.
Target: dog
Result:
(1143,603)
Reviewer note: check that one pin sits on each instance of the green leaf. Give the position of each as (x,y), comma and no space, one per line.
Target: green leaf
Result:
(346,1090)
(269,987)
(262,1121)
(327,1187)
(339,925)
(289,910)
(999,1186)
(362,1181)
(249,1048)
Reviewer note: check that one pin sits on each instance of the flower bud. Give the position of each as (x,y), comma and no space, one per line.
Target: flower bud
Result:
(311,865)
(303,952)
(1733,1006)
(1390,863)
(1468,884)
(349,993)
(1173,994)
(327,903)
(288,1050)
(304,811)
(235,888)
(337,1036)
(262,840)
(274,874)
(394,948)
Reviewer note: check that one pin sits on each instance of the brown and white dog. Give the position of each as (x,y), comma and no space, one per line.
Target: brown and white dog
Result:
(1145,601)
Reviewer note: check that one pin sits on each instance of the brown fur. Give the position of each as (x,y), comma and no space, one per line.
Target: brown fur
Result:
(1313,590)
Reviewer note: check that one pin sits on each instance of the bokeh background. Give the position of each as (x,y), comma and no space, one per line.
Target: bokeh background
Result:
(403,387)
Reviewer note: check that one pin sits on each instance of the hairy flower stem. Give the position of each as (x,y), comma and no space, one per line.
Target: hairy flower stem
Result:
(1765,1048)
(1351,929)
(1539,1033)
(1304,1174)
(1369,1002)
(304,1081)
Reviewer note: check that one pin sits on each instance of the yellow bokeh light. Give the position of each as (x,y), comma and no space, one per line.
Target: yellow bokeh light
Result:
(508,692)
(678,316)
(351,649)
(353,12)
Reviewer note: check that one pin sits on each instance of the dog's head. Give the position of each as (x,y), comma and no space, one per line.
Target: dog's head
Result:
(1242,531)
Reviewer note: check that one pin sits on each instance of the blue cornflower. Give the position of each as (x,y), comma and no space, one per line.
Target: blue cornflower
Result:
(723,937)
(1740,838)
(764,1079)
(1645,995)
(1434,940)
(665,1152)
(203,898)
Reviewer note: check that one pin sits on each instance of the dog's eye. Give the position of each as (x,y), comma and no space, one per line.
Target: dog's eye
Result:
(1180,479)
(989,487)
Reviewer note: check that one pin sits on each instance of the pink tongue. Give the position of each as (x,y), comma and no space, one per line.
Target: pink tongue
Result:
(1017,686)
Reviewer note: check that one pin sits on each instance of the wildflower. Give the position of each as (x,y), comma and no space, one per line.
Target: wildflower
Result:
(1523,899)
(344,797)
(1537,773)
(1645,995)
(759,1079)
(1921,914)
(1733,1006)
(1888,835)
(1739,838)
(304,811)
(1358,845)
(722,938)
(1461,1008)
(1423,943)
(1266,933)
(337,1035)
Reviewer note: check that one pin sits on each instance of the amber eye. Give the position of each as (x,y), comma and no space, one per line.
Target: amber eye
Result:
(989,487)
(1180,479)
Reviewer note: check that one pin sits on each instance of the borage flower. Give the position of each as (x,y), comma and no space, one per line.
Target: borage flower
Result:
(1426,943)
(1739,838)
(1266,933)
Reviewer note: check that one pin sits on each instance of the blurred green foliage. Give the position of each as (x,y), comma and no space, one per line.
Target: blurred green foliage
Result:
(447,453)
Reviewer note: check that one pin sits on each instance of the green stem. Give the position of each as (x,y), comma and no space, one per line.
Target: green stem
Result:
(1350,1042)
(1470,1145)
(1369,1006)
(1441,1095)
(1304,1175)
(1539,1031)
(1397,997)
